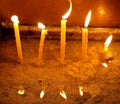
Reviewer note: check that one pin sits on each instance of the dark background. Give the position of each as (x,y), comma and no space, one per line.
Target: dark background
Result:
(105,13)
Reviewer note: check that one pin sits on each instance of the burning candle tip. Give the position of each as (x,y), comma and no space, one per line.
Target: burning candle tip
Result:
(88,17)
(42,93)
(62,93)
(40,25)
(21,92)
(68,12)
(81,90)
(107,42)
(105,65)
(14,18)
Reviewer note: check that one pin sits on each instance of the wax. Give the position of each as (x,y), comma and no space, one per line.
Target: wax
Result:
(84,42)
(63,40)
(17,37)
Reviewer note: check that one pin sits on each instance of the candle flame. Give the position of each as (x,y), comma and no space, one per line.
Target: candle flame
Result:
(42,94)
(21,92)
(80,90)
(40,25)
(14,19)
(105,65)
(68,12)
(88,19)
(108,41)
(62,93)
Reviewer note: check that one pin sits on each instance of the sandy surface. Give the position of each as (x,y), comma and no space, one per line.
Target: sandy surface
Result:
(100,85)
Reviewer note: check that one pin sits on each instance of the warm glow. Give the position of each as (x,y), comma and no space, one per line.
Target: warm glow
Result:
(80,90)
(108,41)
(42,94)
(68,12)
(62,93)
(101,12)
(21,92)
(88,19)
(105,65)
(40,25)
(14,19)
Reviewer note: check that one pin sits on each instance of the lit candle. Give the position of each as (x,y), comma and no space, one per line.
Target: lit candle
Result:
(21,90)
(43,33)
(42,94)
(106,54)
(63,33)
(17,37)
(107,43)
(81,90)
(85,36)
(105,65)
(62,93)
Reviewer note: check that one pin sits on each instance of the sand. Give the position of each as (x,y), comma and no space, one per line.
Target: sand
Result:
(100,85)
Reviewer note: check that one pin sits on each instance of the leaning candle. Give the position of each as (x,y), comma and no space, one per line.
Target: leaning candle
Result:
(85,36)
(106,53)
(17,37)
(107,43)
(63,33)
(43,33)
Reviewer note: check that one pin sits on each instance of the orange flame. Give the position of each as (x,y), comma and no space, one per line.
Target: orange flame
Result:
(105,65)
(42,94)
(14,19)
(80,90)
(62,93)
(40,25)
(107,42)
(88,19)
(68,12)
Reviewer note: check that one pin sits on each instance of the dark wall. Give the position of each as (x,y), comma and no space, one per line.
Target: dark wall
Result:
(104,12)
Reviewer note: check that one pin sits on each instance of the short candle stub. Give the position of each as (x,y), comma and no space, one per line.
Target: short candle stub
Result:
(63,94)
(21,90)
(106,54)
(42,93)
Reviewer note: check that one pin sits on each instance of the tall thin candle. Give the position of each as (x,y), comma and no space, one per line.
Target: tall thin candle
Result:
(43,33)
(15,21)
(85,36)
(63,33)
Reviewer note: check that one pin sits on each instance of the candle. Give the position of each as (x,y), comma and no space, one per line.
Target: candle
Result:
(62,93)
(63,32)
(107,43)
(85,36)
(105,65)
(106,53)
(42,94)
(17,37)
(43,33)
(21,90)
(81,90)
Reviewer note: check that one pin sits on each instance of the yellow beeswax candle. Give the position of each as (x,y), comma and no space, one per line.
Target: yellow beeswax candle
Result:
(85,36)
(17,37)
(63,33)
(43,33)
(63,39)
